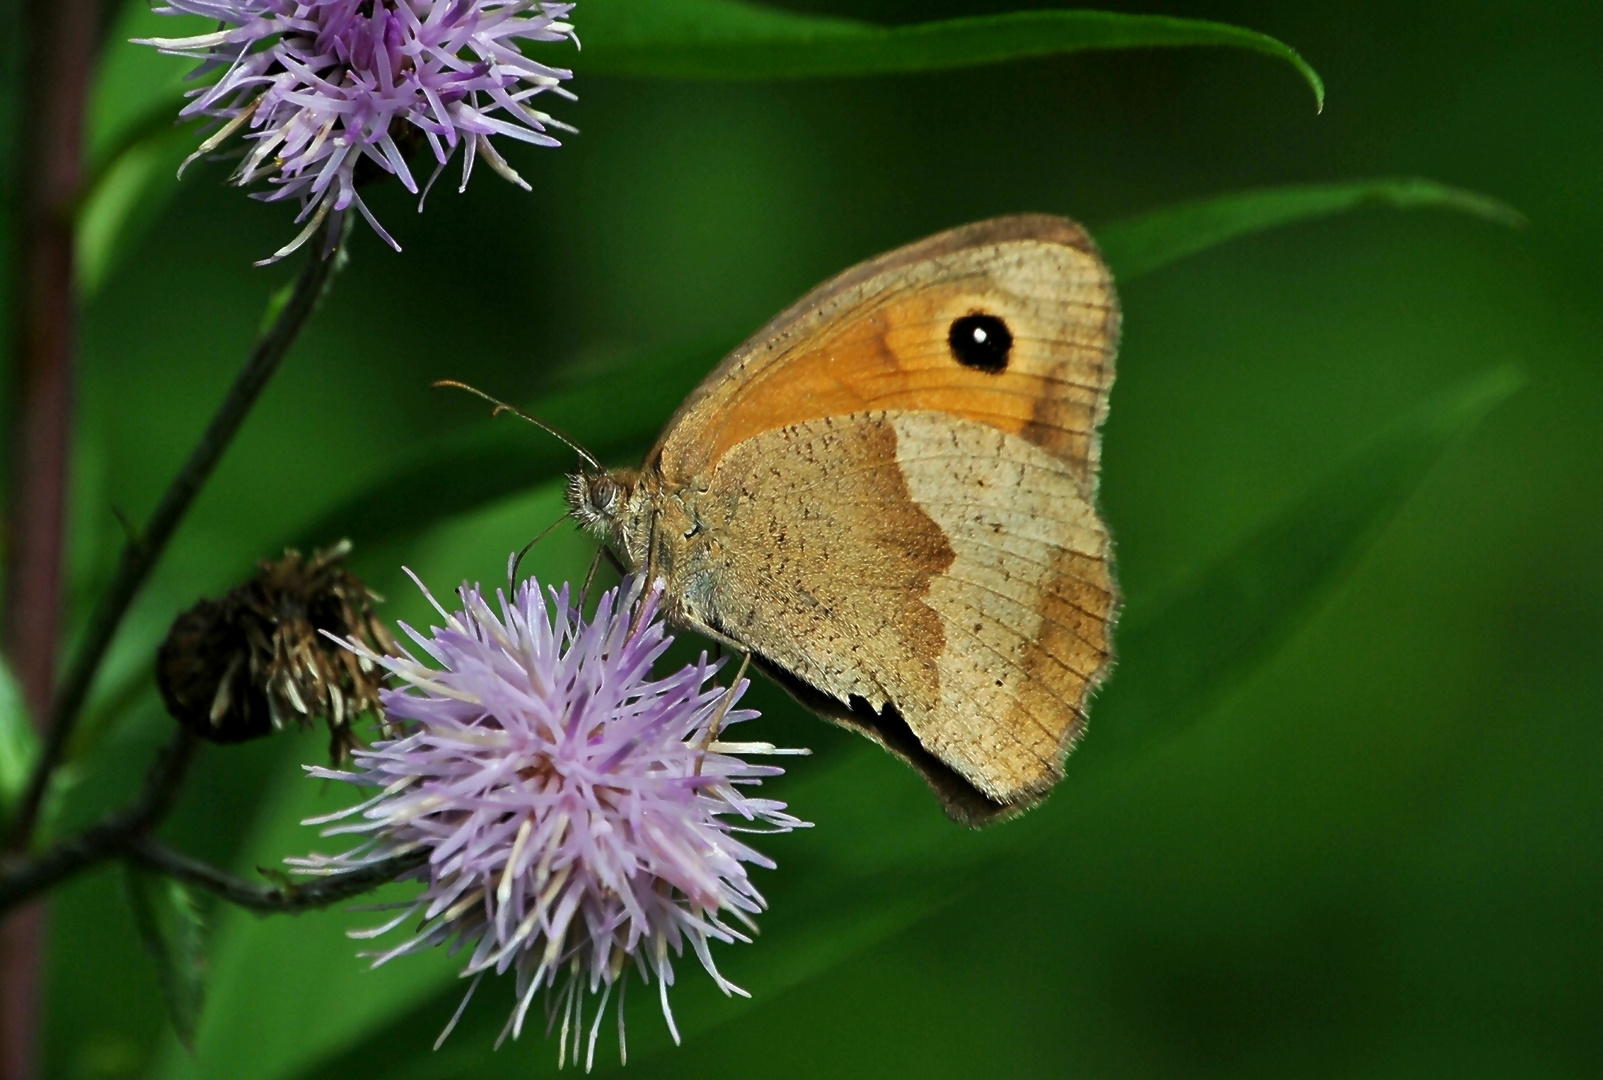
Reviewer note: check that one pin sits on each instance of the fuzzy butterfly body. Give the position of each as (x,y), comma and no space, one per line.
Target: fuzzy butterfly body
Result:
(887,498)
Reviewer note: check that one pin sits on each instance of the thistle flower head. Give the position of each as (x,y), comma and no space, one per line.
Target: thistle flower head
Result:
(325,90)
(581,817)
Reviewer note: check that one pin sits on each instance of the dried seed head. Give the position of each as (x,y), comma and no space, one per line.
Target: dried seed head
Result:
(256,660)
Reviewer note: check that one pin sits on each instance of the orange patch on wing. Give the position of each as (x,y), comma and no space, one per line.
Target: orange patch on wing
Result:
(895,356)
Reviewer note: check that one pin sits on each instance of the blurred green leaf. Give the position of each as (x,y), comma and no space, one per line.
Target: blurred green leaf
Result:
(275,306)
(124,199)
(731,39)
(882,857)
(171,929)
(19,743)
(825,928)
(135,150)
(1153,240)
(1180,661)
(614,415)
(286,990)
(618,413)
(137,90)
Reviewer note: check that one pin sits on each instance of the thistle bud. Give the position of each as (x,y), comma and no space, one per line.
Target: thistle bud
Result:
(258,659)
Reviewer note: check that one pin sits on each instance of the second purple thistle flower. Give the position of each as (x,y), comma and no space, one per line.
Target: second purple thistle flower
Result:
(581,816)
(327,90)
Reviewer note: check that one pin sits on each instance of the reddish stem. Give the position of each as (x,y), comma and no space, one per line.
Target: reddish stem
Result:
(61,45)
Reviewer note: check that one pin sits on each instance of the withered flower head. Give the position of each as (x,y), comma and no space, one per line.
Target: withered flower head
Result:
(258,659)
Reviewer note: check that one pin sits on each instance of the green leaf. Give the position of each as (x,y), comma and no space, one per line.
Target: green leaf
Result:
(614,414)
(124,200)
(135,151)
(275,306)
(826,928)
(1155,239)
(170,926)
(882,858)
(1212,633)
(1179,661)
(137,90)
(133,147)
(285,990)
(19,743)
(731,39)
(618,412)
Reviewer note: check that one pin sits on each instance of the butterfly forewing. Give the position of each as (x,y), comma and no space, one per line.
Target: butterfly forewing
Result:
(880,336)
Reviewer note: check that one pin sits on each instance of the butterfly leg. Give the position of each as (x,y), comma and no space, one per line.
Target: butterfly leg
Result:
(724,706)
(589,578)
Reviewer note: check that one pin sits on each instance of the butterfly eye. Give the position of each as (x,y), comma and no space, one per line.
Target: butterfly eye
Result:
(604,497)
(981,341)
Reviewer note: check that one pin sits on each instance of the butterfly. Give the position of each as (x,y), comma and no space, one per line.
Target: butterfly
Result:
(886,500)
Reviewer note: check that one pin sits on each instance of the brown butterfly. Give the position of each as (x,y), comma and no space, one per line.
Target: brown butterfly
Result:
(886,499)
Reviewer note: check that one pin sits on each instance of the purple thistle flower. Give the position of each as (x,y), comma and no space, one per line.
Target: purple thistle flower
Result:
(323,86)
(579,814)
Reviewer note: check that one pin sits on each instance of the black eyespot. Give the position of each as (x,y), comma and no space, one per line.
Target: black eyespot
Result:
(981,341)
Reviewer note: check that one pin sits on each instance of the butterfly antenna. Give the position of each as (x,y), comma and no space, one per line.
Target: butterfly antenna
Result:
(517,560)
(550,429)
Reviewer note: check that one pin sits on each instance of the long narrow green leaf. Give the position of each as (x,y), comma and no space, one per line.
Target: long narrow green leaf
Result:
(1155,239)
(126,197)
(1180,659)
(731,39)
(170,926)
(1215,631)
(793,948)
(138,92)
(619,414)
(133,147)
(284,990)
(882,858)
(615,416)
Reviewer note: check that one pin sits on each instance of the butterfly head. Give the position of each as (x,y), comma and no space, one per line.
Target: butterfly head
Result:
(611,505)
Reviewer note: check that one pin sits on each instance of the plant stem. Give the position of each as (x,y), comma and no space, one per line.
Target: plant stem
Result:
(59,48)
(125,834)
(290,898)
(140,554)
(108,837)
(61,39)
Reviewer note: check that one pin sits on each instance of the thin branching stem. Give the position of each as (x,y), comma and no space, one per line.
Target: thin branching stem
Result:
(24,877)
(288,897)
(140,554)
(125,834)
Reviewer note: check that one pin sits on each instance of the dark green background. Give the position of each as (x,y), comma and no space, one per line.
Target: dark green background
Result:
(1379,856)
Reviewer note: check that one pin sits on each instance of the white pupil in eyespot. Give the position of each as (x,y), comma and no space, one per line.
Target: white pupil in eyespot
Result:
(979,335)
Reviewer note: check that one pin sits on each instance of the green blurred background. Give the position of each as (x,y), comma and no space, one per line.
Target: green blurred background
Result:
(1377,856)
